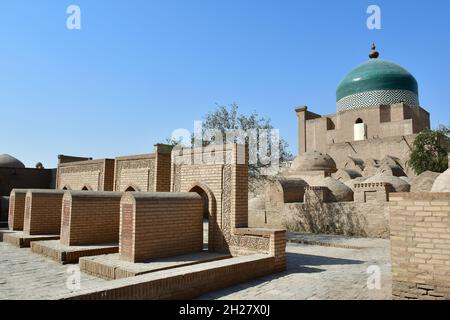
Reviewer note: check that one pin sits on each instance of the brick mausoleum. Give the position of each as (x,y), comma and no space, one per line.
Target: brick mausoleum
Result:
(351,161)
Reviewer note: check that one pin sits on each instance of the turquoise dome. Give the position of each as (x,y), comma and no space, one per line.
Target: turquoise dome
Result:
(377,82)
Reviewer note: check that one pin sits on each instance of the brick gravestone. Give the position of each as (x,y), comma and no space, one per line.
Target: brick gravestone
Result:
(89,226)
(43,212)
(16,209)
(42,218)
(158,225)
(158,231)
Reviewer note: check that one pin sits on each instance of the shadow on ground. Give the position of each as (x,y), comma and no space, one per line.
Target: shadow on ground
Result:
(296,263)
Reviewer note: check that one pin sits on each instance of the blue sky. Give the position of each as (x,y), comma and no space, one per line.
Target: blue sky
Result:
(139,69)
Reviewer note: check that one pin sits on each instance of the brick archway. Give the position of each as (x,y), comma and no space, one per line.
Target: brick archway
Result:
(205,192)
(132,188)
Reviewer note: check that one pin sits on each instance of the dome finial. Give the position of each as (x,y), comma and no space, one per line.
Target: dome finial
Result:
(374,54)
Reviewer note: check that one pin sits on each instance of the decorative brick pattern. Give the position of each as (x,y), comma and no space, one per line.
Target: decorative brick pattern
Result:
(420,245)
(224,178)
(16,209)
(43,210)
(372,192)
(92,175)
(144,173)
(90,218)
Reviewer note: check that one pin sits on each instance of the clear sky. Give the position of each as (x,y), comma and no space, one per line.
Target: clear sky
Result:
(139,69)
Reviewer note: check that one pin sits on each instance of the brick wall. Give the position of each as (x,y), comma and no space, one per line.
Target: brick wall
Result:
(90,218)
(25,178)
(157,225)
(135,173)
(163,167)
(223,176)
(16,209)
(43,212)
(347,218)
(144,173)
(93,175)
(372,192)
(420,245)
(4,208)
(183,283)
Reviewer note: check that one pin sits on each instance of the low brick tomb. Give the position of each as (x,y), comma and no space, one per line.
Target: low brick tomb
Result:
(89,226)
(16,209)
(159,225)
(42,218)
(153,228)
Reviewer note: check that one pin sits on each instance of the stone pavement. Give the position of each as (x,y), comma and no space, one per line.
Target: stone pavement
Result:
(321,272)
(313,272)
(28,276)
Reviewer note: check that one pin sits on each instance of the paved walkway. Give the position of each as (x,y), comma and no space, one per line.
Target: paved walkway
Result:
(28,276)
(314,272)
(321,272)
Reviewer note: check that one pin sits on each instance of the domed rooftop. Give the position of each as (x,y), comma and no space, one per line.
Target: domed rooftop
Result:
(376,82)
(7,161)
(398,184)
(442,182)
(314,161)
(340,192)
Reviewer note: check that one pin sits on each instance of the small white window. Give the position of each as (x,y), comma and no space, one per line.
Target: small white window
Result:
(360,130)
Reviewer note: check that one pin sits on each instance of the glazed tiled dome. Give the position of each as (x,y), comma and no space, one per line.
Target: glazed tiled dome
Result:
(314,161)
(7,161)
(376,82)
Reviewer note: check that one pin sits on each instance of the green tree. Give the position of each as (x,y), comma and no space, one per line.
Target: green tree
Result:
(430,150)
(228,118)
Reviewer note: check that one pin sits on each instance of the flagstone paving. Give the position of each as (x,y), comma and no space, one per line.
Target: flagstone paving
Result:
(332,270)
(323,272)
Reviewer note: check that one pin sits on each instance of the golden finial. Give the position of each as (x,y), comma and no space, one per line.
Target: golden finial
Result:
(374,54)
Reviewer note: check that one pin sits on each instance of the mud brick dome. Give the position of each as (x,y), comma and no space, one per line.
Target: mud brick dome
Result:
(376,82)
(314,161)
(7,161)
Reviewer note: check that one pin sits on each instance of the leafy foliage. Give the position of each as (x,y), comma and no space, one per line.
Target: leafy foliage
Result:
(430,150)
(227,119)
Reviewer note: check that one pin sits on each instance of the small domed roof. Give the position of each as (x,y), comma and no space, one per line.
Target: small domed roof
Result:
(339,190)
(351,183)
(7,161)
(424,181)
(398,184)
(314,161)
(442,183)
(376,82)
